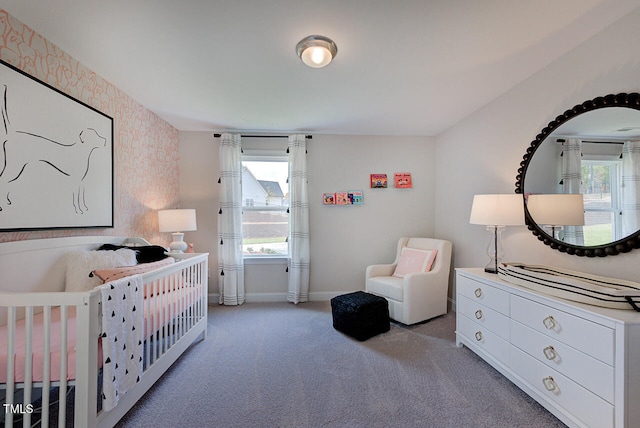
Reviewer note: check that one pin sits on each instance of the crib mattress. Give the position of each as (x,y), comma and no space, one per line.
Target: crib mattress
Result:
(37,348)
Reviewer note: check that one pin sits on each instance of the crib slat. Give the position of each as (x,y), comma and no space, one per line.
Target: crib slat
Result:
(176,283)
(195,313)
(193,297)
(163,323)
(184,301)
(154,322)
(181,329)
(179,325)
(28,364)
(11,314)
(148,287)
(173,284)
(62,390)
(46,369)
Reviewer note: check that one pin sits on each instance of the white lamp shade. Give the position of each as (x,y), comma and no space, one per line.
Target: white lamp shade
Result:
(497,210)
(179,220)
(557,209)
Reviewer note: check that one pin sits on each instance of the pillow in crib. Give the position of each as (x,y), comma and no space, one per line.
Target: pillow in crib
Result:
(80,264)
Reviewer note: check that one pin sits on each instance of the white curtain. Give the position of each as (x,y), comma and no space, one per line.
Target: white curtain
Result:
(230,263)
(571,182)
(298,289)
(630,187)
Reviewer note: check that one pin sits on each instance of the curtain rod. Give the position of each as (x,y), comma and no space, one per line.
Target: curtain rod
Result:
(562,140)
(308,137)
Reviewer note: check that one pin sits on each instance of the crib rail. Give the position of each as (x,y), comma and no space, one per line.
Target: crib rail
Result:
(174,303)
(64,329)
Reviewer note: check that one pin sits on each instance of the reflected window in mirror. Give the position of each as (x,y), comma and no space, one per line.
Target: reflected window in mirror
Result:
(600,189)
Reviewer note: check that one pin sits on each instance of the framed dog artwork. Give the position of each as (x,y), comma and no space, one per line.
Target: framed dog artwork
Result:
(56,162)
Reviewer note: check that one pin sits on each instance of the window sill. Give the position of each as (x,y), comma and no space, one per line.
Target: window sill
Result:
(265,260)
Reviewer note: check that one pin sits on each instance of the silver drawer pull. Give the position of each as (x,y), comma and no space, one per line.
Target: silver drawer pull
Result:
(479,314)
(550,353)
(549,383)
(549,322)
(478,292)
(478,336)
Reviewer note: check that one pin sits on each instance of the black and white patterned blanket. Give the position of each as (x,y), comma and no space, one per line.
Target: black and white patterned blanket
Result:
(122,336)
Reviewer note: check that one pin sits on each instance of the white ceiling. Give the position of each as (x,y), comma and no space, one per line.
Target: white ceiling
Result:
(404,67)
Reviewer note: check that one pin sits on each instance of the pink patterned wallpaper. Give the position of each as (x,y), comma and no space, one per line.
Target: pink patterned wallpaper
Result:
(146,175)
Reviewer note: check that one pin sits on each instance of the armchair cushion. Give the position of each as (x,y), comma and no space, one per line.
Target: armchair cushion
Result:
(413,260)
(387,286)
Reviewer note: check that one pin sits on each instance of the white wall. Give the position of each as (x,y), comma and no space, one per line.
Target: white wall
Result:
(344,239)
(483,152)
(199,190)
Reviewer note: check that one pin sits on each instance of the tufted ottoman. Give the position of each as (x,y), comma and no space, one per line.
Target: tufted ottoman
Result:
(360,315)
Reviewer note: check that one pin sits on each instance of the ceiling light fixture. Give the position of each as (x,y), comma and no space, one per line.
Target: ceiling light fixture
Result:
(316,51)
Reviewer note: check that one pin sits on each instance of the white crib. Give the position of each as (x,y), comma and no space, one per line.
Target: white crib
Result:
(52,337)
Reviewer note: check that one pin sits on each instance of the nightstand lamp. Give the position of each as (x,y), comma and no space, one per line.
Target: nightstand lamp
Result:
(177,222)
(496,212)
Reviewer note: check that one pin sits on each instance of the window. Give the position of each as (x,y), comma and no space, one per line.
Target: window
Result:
(265,220)
(600,187)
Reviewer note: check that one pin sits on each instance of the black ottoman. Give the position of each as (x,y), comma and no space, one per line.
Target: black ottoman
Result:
(360,315)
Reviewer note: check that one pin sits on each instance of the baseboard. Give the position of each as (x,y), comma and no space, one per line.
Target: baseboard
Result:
(253,297)
(323,296)
(280,297)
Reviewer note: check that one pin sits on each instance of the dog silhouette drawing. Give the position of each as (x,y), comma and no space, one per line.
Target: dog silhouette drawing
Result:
(26,153)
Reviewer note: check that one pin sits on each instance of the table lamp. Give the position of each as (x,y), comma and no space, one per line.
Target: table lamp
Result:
(177,221)
(496,212)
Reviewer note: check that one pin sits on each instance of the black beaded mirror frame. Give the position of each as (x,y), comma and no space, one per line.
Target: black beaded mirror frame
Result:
(631,100)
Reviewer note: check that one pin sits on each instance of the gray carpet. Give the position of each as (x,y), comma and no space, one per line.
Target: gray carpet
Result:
(283,365)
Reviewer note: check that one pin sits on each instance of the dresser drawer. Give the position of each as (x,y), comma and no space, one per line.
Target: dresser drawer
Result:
(483,338)
(592,374)
(484,316)
(582,404)
(594,339)
(482,293)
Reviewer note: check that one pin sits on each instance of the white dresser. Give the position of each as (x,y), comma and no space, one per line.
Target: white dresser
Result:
(581,362)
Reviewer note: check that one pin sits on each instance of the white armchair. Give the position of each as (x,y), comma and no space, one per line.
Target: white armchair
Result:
(418,296)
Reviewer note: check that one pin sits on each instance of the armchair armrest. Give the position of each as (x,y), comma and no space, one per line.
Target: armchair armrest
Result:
(428,288)
(380,270)
(426,280)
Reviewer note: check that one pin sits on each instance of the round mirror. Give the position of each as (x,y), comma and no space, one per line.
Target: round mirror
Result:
(580,152)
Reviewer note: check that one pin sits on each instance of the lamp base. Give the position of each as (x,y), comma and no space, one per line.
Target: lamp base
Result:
(178,246)
(491,268)
(495,250)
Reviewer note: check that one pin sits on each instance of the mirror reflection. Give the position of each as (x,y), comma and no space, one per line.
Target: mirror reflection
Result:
(595,154)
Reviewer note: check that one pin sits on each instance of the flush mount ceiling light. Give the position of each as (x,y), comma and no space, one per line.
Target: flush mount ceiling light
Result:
(316,51)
